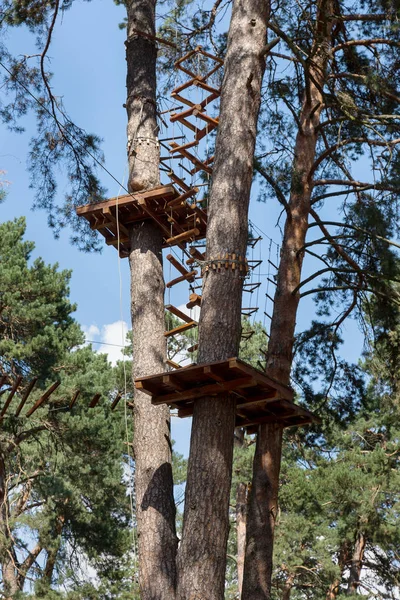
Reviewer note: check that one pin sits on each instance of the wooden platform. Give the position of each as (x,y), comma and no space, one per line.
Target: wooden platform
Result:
(179,222)
(260,399)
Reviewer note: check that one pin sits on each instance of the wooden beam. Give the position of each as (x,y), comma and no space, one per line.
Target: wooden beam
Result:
(206,390)
(118,224)
(212,372)
(258,400)
(181,328)
(240,367)
(178,313)
(10,396)
(43,398)
(25,396)
(172,381)
(192,158)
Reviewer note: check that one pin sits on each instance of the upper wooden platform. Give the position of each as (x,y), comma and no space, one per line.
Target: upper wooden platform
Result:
(167,207)
(260,399)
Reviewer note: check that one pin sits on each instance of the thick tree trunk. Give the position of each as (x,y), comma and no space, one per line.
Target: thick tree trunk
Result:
(356,564)
(155,508)
(241,516)
(7,553)
(202,554)
(264,494)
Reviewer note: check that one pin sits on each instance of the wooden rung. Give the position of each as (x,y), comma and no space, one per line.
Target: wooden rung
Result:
(116,400)
(173,364)
(178,181)
(181,328)
(187,235)
(194,300)
(94,400)
(208,88)
(178,266)
(189,125)
(178,148)
(201,133)
(74,398)
(10,396)
(25,396)
(186,56)
(178,313)
(196,253)
(43,398)
(193,348)
(188,277)
(183,86)
(182,100)
(196,108)
(181,199)
(193,159)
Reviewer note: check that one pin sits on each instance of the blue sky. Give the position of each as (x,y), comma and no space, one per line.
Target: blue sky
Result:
(88,61)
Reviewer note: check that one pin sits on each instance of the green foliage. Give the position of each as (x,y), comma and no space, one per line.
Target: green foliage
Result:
(63,471)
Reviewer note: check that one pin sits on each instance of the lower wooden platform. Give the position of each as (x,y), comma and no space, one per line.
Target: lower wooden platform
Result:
(260,399)
(178,220)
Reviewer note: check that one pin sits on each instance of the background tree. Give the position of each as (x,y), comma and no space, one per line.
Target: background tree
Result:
(63,494)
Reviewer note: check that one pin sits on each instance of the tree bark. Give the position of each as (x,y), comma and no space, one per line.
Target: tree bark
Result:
(241,516)
(202,554)
(334,588)
(155,508)
(287,588)
(356,564)
(264,494)
(7,553)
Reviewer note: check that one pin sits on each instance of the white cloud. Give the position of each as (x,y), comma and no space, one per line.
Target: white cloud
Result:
(110,340)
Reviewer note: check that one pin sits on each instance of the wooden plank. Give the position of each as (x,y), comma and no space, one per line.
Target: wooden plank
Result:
(178,148)
(10,396)
(193,348)
(181,99)
(193,251)
(94,400)
(43,398)
(257,401)
(201,133)
(176,91)
(211,56)
(116,400)
(240,366)
(214,91)
(194,300)
(164,191)
(155,217)
(178,313)
(25,396)
(206,390)
(186,235)
(174,383)
(188,277)
(188,124)
(178,266)
(74,399)
(181,328)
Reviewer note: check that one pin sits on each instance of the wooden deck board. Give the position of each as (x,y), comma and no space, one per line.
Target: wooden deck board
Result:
(260,399)
(153,205)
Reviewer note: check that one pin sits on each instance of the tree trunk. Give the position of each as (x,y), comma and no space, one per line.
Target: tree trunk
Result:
(287,588)
(334,588)
(241,516)
(356,564)
(264,494)
(7,553)
(155,508)
(202,554)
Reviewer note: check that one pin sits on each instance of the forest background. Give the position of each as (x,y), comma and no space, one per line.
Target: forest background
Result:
(95,283)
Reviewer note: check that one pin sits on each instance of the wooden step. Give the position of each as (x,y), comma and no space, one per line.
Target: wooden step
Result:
(194,300)
(181,328)
(188,277)
(178,313)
